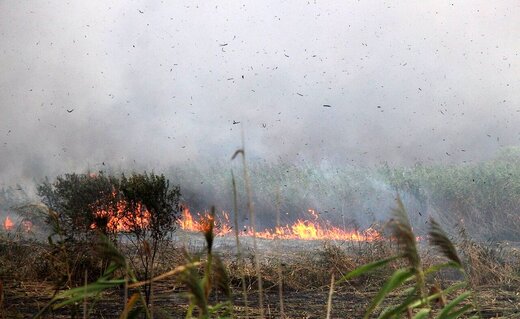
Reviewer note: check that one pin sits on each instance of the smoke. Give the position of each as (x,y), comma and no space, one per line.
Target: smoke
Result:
(150,85)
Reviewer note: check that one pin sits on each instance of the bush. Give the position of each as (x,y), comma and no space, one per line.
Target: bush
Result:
(76,199)
(142,206)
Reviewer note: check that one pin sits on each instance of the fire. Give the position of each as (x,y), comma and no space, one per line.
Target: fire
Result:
(25,225)
(300,229)
(122,219)
(307,230)
(188,223)
(8,224)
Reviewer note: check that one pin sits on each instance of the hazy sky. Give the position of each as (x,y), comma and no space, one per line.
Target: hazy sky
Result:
(154,83)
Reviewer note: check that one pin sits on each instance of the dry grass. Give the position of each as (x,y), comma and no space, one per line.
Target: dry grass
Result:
(306,282)
(306,273)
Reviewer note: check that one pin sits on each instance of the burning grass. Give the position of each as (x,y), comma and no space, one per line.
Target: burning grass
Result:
(300,229)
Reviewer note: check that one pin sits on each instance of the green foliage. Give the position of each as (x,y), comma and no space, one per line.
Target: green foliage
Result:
(483,193)
(152,192)
(416,303)
(75,198)
(147,196)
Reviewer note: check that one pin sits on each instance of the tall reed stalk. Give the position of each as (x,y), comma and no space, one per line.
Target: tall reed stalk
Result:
(278,248)
(251,209)
(241,265)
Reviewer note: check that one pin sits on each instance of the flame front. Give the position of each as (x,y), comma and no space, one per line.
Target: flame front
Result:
(307,230)
(8,224)
(121,220)
(188,223)
(300,229)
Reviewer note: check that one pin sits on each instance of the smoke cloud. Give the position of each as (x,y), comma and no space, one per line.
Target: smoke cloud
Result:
(151,84)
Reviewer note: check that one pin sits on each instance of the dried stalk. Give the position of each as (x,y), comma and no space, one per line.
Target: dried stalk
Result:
(241,264)
(279,265)
(250,207)
(331,291)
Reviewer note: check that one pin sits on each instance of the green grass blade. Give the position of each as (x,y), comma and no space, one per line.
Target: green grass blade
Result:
(452,288)
(459,312)
(366,268)
(438,267)
(412,301)
(397,278)
(393,310)
(423,313)
(444,314)
(88,291)
(189,312)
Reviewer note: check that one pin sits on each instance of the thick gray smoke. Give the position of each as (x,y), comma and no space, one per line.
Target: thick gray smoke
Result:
(151,84)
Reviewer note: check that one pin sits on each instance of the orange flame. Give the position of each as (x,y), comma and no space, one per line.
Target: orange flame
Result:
(307,230)
(122,219)
(301,229)
(8,224)
(188,223)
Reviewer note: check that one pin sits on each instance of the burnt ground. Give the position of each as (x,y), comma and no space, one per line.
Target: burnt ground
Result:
(23,299)
(26,299)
